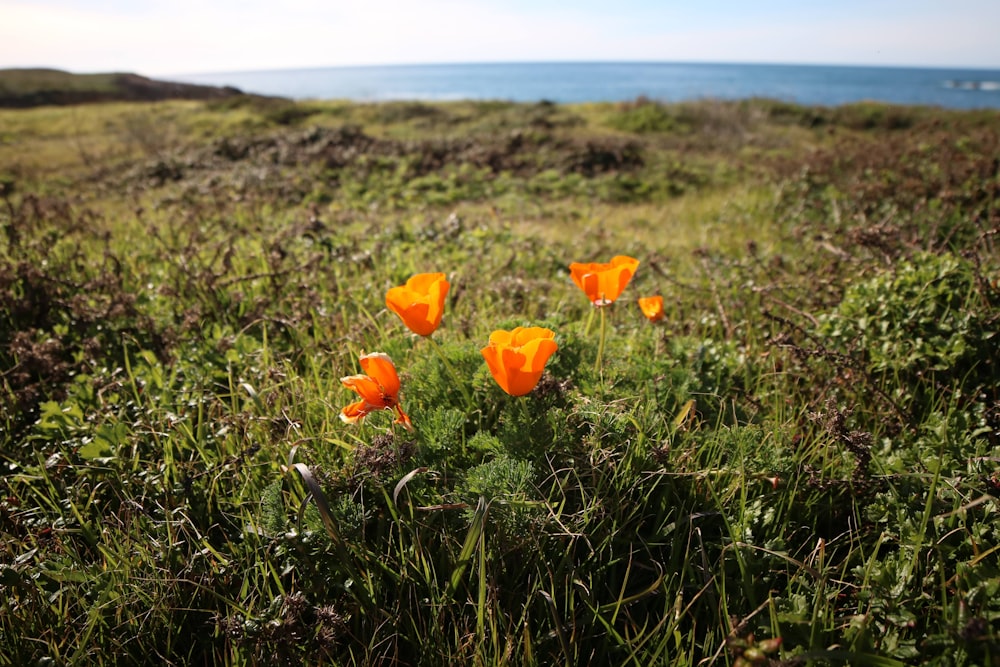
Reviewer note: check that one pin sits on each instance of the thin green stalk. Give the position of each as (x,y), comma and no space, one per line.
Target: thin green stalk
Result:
(590,321)
(600,346)
(454,374)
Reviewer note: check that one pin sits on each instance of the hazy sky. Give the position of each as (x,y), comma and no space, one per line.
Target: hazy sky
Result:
(162,37)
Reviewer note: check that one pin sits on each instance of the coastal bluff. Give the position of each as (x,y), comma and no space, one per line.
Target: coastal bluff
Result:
(24,88)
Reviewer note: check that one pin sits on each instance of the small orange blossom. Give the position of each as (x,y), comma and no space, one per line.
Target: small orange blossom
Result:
(603,283)
(652,307)
(517,358)
(420,302)
(379,390)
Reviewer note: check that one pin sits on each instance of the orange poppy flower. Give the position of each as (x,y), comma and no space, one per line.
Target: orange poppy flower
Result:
(517,358)
(652,307)
(379,390)
(420,302)
(603,283)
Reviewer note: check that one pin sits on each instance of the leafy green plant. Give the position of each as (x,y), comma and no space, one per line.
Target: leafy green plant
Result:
(928,323)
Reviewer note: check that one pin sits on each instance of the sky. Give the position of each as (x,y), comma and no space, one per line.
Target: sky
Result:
(164,37)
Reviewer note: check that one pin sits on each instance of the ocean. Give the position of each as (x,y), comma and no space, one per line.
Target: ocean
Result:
(596,82)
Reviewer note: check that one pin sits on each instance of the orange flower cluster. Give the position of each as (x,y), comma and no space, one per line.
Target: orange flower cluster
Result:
(379,390)
(517,358)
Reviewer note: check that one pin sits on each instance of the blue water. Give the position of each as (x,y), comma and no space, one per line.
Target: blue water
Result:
(593,82)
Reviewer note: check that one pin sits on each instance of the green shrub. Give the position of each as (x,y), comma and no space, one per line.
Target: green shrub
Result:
(644,116)
(926,320)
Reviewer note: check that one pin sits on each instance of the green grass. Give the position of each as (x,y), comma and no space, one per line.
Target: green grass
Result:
(806,448)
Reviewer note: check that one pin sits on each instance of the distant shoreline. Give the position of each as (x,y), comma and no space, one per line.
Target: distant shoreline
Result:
(587,82)
(563,63)
(559,82)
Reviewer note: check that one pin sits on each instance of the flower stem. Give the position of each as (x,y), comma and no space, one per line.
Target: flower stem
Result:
(600,345)
(590,321)
(454,373)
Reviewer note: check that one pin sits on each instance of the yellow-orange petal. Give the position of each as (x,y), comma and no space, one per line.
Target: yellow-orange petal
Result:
(624,268)
(603,283)
(414,315)
(517,358)
(520,376)
(652,307)
(578,271)
(369,390)
(501,338)
(380,368)
(403,418)
(536,344)
(355,412)
(491,353)
(420,302)
(521,336)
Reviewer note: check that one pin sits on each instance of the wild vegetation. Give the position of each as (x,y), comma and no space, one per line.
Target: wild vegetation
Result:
(798,464)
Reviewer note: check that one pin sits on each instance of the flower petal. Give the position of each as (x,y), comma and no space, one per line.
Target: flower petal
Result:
(355,412)
(520,379)
(420,302)
(604,283)
(521,384)
(517,358)
(524,335)
(403,419)
(422,283)
(367,388)
(652,307)
(503,338)
(380,368)
(577,271)
(491,353)
(537,353)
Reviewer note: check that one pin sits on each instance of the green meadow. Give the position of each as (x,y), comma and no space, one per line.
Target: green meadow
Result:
(798,465)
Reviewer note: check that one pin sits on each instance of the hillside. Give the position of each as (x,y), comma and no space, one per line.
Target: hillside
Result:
(22,88)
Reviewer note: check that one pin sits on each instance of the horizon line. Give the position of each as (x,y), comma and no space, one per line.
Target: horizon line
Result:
(505,63)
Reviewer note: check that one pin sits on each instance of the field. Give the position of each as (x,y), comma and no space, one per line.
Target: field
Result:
(798,464)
